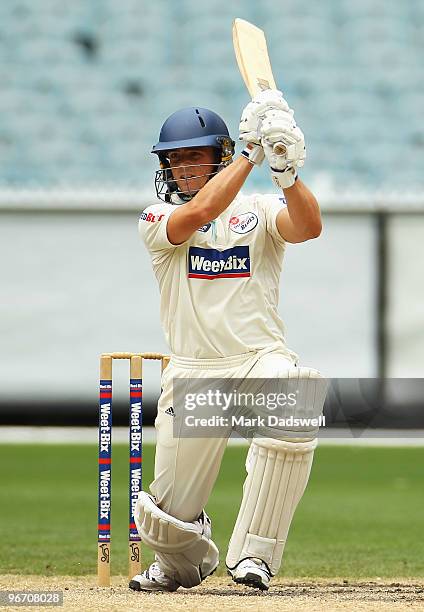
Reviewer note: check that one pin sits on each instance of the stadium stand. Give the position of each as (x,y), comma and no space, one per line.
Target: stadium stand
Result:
(84,87)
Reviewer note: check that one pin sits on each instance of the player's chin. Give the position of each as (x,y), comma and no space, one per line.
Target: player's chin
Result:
(191,187)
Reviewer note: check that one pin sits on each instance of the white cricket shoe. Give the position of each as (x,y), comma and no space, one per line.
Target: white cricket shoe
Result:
(153,579)
(251,572)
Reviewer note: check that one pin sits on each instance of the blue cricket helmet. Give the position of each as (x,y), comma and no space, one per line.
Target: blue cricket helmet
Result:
(194,127)
(184,129)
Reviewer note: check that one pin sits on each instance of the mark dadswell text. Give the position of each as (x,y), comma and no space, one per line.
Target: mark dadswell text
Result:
(258,421)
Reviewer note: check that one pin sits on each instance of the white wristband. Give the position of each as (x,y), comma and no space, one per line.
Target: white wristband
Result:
(284,178)
(254,153)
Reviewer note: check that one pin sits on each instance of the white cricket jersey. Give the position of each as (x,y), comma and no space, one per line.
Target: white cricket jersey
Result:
(219,290)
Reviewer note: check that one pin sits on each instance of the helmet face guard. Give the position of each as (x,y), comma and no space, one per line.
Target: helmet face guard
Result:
(185,129)
(167,188)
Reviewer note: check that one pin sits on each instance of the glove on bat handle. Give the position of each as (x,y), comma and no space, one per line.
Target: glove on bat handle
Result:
(279,148)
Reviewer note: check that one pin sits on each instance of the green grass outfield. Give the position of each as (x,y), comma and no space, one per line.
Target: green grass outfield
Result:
(361,516)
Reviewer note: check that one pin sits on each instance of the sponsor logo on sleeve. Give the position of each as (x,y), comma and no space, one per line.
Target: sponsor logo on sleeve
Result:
(243,223)
(211,263)
(150,217)
(204,228)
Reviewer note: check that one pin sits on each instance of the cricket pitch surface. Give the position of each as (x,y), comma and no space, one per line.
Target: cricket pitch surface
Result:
(82,593)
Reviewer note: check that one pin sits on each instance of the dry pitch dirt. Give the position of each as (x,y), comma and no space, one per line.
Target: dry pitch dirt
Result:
(81,593)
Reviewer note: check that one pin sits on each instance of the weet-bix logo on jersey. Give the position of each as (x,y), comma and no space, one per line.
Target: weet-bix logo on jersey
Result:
(210,263)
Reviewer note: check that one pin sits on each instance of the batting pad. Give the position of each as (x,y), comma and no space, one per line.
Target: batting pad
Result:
(183,550)
(277,475)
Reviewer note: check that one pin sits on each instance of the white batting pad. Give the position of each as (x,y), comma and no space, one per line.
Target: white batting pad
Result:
(277,474)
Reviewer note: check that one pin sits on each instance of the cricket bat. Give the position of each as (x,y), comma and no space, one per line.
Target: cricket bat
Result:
(253,61)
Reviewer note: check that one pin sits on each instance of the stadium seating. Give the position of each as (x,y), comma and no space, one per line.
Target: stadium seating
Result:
(84,87)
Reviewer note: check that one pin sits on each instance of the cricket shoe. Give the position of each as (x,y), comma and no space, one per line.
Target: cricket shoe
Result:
(251,572)
(153,579)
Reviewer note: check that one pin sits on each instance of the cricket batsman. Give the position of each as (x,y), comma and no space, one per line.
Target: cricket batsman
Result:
(217,256)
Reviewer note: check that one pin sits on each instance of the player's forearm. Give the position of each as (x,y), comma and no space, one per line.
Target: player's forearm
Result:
(304,211)
(220,191)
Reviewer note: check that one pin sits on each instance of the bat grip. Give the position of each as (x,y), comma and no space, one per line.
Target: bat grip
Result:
(279,148)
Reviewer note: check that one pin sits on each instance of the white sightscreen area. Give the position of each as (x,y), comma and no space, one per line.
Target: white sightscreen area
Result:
(77,284)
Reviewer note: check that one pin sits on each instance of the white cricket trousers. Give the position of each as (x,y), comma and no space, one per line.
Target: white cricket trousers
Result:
(186,468)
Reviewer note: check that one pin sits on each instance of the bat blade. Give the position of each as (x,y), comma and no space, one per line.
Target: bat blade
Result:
(253,61)
(252,57)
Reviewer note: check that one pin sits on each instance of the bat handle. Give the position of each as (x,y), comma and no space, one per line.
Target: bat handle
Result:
(279,148)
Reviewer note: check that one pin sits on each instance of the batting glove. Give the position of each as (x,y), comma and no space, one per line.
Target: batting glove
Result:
(278,131)
(253,113)
(280,127)
(254,153)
